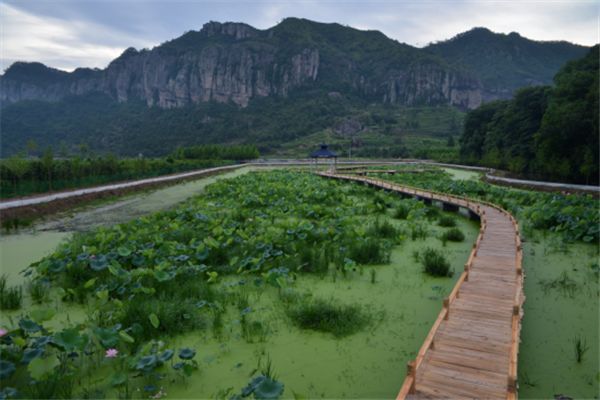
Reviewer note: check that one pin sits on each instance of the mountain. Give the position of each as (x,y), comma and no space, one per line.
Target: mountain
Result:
(504,63)
(233,62)
(230,82)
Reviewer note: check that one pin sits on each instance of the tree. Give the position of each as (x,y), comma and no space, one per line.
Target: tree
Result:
(31,147)
(18,166)
(48,163)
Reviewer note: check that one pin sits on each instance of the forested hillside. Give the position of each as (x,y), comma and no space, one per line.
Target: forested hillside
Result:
(546,132)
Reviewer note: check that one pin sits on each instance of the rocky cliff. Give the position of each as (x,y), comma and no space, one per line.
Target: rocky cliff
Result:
(233,62)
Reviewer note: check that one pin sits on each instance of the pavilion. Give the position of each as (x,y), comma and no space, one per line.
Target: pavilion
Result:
(324,153)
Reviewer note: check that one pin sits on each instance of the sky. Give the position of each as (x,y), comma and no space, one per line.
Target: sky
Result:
(67,34)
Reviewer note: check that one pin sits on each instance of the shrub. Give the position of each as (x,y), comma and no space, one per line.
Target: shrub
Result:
(453,235)
(432,213)
(10,297)
(418,231)
(328,316)
(435,263)
(384,229)
(447,221)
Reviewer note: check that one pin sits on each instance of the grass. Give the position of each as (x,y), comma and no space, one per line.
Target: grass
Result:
(434,263)
(447,221)
(384,230)
(10,297)
(329,317)
(401,211)
(313,259)
(38,290)
(369,251)
(418,231)
(175,305)
(453,235)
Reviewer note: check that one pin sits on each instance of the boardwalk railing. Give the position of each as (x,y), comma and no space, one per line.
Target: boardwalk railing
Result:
(477,207)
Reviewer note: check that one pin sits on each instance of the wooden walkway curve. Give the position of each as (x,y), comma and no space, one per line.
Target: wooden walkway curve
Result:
(471,350)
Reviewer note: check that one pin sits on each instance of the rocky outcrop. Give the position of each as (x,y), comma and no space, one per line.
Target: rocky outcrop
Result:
(430,84)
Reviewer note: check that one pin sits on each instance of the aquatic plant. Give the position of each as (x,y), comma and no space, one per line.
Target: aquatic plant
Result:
(574,216)
(563,283)
(581,348)
(383,229)
(368,251)
(418,231)
(453,235)
(329,316)
(434,263)
(38,290)
(446,221)
(10,297)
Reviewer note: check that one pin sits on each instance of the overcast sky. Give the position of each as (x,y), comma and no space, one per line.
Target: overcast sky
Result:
(67,34)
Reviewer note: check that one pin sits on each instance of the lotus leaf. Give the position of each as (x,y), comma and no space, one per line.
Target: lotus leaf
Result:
(118,379)
(268,389)
(124,251)
(56,266)
(107,337)
(99,263)
(6,369)
(166,355)
(163,276)
(147,363)
(70,339)
(187,353)
(41,367)
(29,326)
(42,314)
(8,392)
(30,354)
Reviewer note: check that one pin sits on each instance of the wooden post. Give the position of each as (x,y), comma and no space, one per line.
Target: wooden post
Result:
(512,384)
(516,309)
(411,371)
(466,272)
(447,307)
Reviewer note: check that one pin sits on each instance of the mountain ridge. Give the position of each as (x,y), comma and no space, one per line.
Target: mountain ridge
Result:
(235,62)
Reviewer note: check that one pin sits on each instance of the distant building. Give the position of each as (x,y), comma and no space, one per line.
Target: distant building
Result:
(324,153)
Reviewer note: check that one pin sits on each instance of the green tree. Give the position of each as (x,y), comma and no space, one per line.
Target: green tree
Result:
(569,130)
(18,166)
(48,163)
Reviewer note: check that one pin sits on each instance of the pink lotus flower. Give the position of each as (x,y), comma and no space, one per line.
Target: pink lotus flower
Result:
(111,353)
(3,332)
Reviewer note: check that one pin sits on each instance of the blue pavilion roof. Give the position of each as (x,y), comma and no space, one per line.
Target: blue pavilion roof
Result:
(323,152)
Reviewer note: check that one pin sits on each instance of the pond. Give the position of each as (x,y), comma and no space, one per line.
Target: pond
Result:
(400,300)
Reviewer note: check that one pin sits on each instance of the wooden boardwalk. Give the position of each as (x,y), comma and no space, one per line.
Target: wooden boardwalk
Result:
(471,350)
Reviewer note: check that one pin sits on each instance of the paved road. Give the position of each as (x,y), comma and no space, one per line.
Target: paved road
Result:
(40,199)
(29,201)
